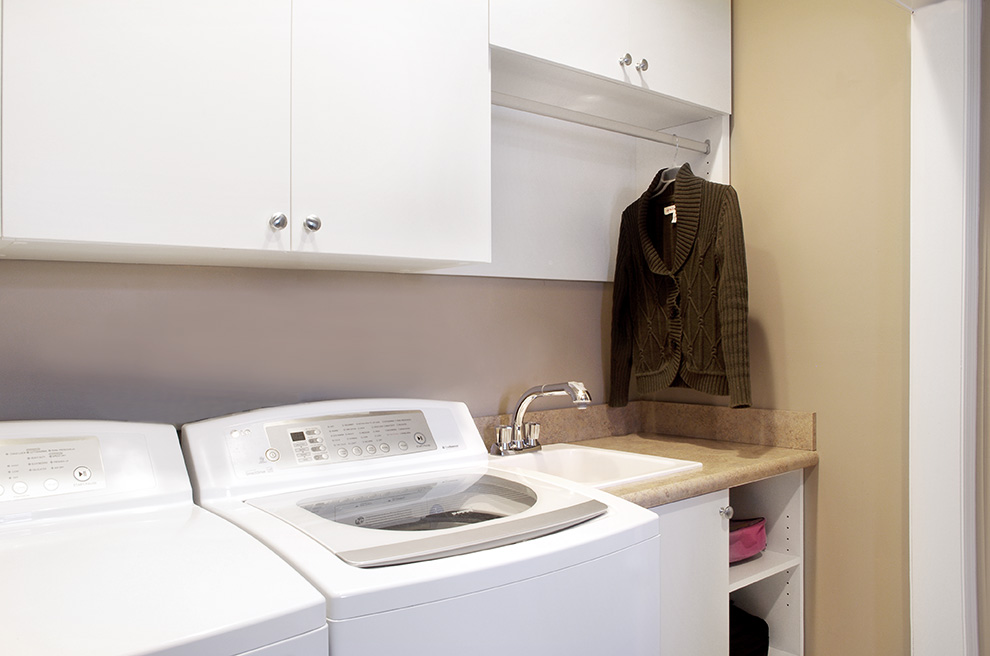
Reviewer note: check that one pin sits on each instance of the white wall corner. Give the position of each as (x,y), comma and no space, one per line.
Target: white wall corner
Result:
(945,80)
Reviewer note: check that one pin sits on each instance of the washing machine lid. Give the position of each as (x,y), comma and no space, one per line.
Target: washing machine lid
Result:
(435,515)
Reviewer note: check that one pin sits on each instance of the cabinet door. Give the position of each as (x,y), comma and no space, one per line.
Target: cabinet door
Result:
(589,35)
(391,120)
(694,575)
(687,43)
(146,121)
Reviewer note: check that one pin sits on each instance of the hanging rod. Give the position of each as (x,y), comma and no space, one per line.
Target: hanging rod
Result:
(572,116)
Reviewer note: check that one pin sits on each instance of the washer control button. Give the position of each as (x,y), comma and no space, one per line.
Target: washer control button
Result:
(385,448)
(342,453)
(371,449)
(272,455)
(51,485)
(403,446)
(420,438)
(20,487)
(82,474)
(356,450)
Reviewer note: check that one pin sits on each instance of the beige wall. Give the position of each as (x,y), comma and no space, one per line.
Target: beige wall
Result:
(820,160)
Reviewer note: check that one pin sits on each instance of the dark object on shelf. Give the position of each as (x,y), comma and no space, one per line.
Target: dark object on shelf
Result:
(748,634)
(747,537)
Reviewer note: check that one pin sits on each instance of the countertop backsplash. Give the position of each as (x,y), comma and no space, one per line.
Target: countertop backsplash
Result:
(778,428)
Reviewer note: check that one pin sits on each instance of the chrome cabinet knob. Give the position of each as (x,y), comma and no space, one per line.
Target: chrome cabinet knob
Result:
(726,512)
(312,223)
(278,221)
(642,66)
(625,61)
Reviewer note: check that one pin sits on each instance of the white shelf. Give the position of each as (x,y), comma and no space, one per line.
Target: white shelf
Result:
(756,569)
(771,586)
(535,85)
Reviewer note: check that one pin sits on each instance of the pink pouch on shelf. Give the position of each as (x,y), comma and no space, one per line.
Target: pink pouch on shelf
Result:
(747,537)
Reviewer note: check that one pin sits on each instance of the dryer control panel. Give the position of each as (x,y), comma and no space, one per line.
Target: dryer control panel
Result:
(31,468)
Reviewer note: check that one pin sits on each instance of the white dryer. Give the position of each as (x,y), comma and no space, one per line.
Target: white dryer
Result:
(103,553)
(420,545)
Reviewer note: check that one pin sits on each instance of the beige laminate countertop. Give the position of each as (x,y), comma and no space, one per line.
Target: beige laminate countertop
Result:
(724,465)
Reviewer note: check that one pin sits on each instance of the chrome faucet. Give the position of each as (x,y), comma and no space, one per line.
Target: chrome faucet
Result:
(517,436)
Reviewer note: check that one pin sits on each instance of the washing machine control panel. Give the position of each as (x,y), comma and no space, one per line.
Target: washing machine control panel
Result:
(31,468)
(329,440)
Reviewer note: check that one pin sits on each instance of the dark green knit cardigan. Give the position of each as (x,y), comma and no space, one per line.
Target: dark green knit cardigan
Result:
(679,303)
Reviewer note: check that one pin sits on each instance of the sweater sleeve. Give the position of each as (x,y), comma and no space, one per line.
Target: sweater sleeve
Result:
(733,300)
(622,317)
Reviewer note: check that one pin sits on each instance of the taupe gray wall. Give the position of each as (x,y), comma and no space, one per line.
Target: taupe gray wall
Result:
(820,158)
(175,344)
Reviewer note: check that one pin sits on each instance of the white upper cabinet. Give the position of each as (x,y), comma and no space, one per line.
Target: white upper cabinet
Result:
(391,137)
(686,43)
(143,130)
(141,122)
(589,35)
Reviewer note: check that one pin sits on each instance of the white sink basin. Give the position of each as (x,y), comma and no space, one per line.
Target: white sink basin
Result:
(595,467)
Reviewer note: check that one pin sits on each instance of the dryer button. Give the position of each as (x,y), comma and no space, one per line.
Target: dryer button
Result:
(51,485)
(272,455)
(20,487)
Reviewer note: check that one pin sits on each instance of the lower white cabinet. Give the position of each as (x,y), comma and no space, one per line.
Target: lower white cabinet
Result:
(694,572)
(697,582)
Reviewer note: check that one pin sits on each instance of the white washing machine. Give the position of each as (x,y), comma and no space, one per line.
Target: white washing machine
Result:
(103,553)
(420,546)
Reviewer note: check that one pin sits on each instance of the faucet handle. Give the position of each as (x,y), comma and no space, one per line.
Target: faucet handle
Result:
(503,440)
(531,433)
